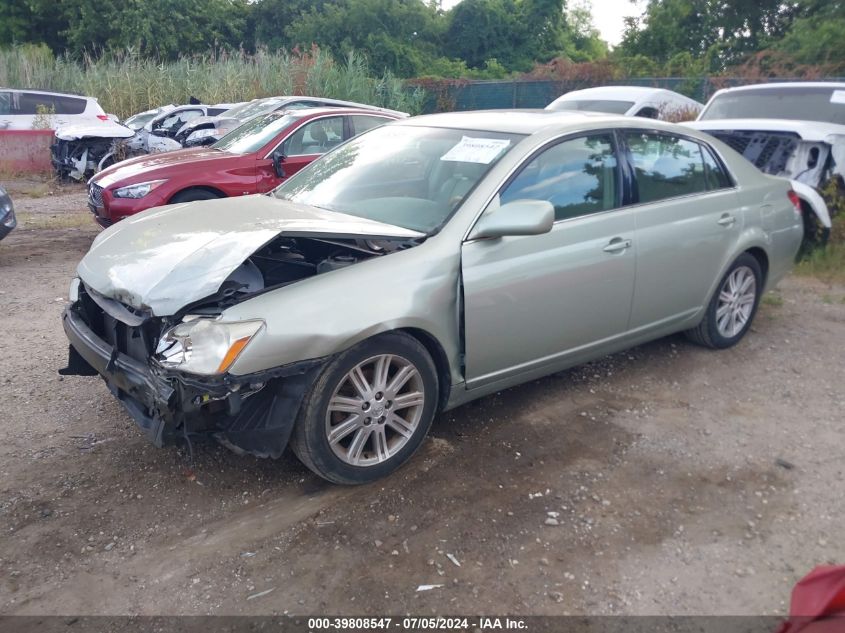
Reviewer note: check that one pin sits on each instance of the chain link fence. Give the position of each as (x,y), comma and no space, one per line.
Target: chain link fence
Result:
(495,95)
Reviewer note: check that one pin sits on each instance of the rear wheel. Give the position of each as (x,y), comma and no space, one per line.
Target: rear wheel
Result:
(369,410)
(190,195)
(732,307)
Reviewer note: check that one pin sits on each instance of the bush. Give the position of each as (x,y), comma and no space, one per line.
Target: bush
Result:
(126,83)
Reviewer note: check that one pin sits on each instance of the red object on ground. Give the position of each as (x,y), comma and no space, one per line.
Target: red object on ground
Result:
(25,151)
(818,602)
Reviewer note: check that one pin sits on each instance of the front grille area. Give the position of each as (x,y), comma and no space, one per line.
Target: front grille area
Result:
(95,195)
(137,341)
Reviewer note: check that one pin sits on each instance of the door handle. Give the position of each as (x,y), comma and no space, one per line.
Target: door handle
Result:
(727,220)
(617,245)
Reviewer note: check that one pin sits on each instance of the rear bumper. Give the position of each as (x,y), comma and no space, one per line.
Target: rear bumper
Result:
(167,406)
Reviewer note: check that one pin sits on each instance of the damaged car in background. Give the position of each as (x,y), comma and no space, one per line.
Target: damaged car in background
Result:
(423,264)
(207,130)
(792,130)
(80,150)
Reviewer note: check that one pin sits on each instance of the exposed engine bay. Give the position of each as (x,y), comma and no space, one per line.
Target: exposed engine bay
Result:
(252,413)
(81,158)
(286,260)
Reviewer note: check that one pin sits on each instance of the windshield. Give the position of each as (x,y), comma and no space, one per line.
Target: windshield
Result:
(593,105)
(137,121)
(254,134)
(796,103)
(408,176)
(246,111)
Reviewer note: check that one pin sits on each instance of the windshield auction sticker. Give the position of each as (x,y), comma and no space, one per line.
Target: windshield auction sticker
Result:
(476,150)
(838,96)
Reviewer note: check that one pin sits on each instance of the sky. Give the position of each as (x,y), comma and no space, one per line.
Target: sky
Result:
(608,16)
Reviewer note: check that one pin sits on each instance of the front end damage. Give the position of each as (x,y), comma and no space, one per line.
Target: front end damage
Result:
(252,413)
(79,152)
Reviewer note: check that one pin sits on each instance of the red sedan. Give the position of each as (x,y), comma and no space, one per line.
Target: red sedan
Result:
(254,158)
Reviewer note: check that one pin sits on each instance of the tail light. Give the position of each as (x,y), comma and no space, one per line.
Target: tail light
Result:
(796,201)
(103,117)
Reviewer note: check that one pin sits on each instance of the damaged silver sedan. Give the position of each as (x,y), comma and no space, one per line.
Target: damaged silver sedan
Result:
(421,265)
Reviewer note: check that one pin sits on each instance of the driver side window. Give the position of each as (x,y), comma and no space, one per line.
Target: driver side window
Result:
(578,176)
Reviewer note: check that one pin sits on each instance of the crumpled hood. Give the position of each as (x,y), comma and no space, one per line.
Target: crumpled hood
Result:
(103,129)
(807,130)
(168,257)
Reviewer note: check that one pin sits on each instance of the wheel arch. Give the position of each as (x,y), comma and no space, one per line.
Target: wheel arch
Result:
(208,188)
(438,356)
(763,259)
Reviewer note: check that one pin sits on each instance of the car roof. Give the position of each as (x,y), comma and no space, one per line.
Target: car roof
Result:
(50,92)
(514,121)
(315,112)
(797,85)
(622,93)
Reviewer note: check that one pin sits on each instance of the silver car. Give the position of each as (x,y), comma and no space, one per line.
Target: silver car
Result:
(419,266)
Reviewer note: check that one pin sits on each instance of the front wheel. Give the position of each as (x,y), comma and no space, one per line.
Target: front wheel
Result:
(733,307)
(369,410)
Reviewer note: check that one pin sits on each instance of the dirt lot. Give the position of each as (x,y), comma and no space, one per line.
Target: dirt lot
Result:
(686,481)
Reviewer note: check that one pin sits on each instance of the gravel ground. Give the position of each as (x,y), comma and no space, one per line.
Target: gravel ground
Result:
(666,480)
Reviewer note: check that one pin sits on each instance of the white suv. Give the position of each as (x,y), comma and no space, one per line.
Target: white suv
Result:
(19,109)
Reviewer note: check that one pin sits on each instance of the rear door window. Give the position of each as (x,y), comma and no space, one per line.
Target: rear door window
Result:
(362,123)
(5,102)
(666,166)
(717,177)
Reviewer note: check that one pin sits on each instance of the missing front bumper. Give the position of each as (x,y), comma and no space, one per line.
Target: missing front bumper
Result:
(253,414)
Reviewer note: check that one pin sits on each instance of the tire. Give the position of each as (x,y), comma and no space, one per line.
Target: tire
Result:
(191,195)
(816,235)
(348,402)
(729,314)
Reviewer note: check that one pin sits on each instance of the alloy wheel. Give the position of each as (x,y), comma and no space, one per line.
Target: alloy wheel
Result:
(375,410)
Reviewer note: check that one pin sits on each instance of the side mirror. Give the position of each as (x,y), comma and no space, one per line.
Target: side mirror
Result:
(520,217)
(278,159)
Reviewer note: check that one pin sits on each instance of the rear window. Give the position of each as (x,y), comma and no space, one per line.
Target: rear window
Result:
(593,105)
(28,103)
(798,103)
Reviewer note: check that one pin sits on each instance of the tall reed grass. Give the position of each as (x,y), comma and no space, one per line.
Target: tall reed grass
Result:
(125,83)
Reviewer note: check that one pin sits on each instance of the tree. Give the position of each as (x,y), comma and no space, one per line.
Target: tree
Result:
(397,35)
(729,29)
(160,28)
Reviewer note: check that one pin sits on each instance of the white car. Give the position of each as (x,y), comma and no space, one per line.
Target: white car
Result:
(26,109)
(793,130)
(81,150)
(652,103)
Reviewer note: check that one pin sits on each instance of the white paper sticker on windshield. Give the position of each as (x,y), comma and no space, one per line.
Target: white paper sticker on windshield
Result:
(838,96)
(476,150)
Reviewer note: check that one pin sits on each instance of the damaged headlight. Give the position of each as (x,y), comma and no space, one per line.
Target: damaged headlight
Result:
(205,346)
(137,191)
